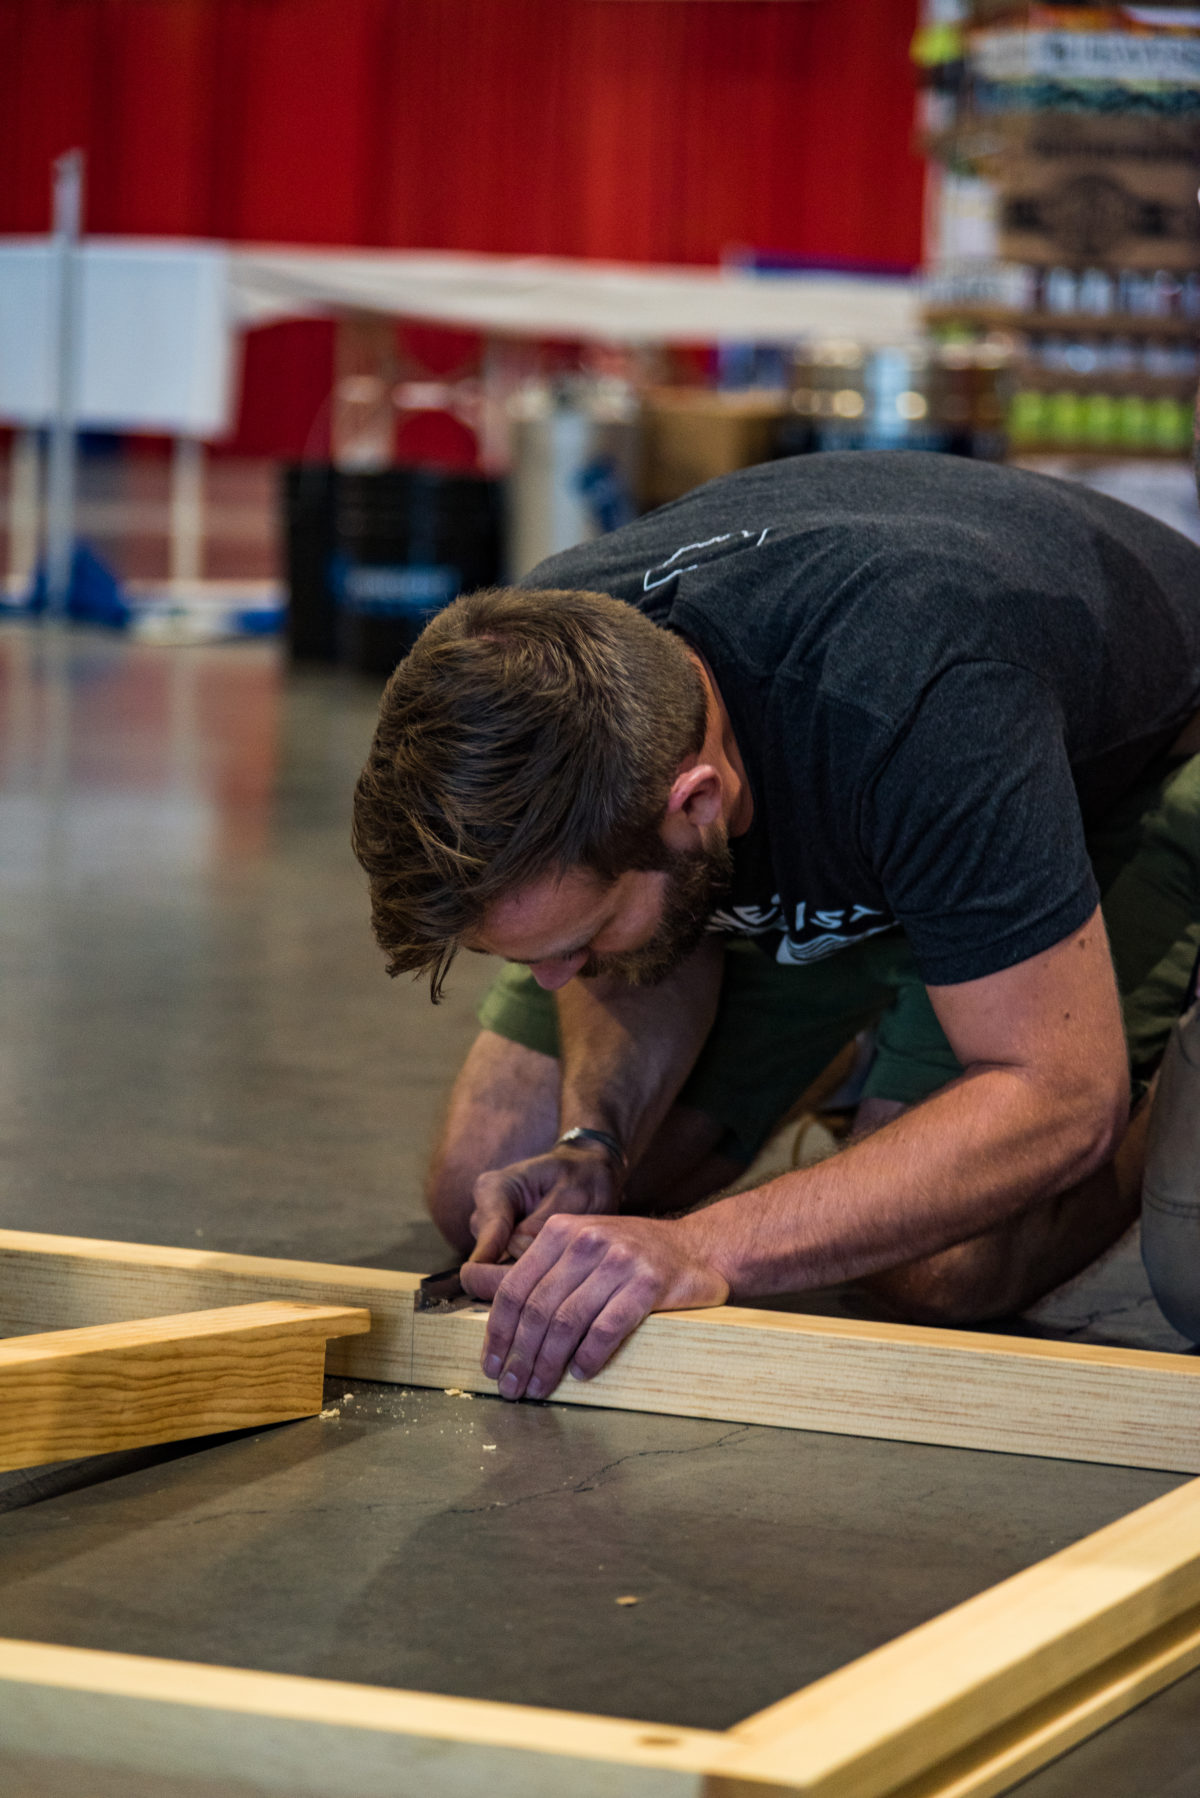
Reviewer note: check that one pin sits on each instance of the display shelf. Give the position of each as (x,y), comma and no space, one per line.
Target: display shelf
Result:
(1062,324)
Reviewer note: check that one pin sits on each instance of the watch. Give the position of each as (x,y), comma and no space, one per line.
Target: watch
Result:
(580,1134)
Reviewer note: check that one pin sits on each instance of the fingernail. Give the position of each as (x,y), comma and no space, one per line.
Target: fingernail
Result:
(534,1388)
(576,1373)
(491,1366)
(508,1385)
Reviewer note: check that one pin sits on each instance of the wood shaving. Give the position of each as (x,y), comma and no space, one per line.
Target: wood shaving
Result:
(629,1599)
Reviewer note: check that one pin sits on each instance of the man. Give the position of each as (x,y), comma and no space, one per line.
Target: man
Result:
(841,740)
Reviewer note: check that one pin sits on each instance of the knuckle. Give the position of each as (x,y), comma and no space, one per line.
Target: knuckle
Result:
(566,1325)
(538,1316)
(603,1340)
(593,1235)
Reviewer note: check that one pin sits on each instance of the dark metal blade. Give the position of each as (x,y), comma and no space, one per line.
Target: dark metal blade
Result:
(443,1292)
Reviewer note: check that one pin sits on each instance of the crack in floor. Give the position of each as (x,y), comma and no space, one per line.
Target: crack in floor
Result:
(589,1481)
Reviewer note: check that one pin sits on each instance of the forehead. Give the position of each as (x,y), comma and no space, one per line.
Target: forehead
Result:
(556,913)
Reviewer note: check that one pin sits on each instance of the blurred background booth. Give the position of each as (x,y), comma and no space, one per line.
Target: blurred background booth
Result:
(403,302)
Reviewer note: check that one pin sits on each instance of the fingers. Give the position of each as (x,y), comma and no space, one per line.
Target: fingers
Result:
(573,1298)
(497,1203)
(619,1319)
(512,1204)
(572,1200)
(480,1280)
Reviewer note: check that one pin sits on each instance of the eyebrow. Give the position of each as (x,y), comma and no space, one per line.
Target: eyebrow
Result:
(557,955)
(560,955)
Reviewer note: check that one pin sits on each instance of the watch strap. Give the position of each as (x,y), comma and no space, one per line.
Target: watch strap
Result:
(580,1133)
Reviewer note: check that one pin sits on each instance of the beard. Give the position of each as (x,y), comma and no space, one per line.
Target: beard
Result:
(697,879)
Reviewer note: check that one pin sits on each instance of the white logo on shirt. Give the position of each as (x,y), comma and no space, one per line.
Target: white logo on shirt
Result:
(811,935)
(664,571)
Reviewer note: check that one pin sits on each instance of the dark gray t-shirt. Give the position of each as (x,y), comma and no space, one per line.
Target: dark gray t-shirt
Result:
(938,672)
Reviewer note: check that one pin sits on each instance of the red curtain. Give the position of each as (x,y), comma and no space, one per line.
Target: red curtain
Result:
(646,129)
(650,130)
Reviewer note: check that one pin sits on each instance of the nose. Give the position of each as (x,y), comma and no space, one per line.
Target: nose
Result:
(553,974)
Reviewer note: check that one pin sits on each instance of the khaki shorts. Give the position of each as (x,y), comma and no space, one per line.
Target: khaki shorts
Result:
(777,1027)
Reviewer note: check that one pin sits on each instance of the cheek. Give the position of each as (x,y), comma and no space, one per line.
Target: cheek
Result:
(638,919)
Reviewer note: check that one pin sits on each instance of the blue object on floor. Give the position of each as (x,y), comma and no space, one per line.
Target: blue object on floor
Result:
(94,596)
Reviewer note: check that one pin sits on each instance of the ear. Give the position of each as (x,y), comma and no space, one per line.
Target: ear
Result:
(695,801)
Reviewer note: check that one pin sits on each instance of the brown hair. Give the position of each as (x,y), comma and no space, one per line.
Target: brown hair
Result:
(526,733)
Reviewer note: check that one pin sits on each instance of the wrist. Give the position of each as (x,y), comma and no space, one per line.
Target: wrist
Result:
(584,1136)
(708,1241)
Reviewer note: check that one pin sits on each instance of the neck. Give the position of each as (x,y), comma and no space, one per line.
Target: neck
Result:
(721,749)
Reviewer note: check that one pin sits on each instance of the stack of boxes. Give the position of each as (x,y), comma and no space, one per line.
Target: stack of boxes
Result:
(1082,125)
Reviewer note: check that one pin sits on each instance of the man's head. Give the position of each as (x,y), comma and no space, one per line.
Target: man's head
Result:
(530,736)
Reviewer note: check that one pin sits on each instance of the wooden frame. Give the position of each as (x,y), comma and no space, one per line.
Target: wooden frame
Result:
(964,1705)
(129,1385)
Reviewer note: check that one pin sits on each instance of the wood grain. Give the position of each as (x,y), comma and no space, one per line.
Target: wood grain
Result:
(1068,1401)
(280,1733)
(63,1282)
(958,1709)
(111,1386)
(998,1686)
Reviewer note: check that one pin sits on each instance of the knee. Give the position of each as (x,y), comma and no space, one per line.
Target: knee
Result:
(1171,1188)
(1171,1257)
(449,1201)
(966,1285)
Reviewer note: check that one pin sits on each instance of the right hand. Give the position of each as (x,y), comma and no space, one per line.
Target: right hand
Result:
(512,1203)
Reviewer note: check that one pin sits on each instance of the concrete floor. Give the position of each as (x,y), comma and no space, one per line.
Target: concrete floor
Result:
(200,1047)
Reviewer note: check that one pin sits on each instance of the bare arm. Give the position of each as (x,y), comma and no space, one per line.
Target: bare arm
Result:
(625,1053)
(1041,1103)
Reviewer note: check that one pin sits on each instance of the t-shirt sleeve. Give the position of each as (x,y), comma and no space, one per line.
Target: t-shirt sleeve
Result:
(972,825)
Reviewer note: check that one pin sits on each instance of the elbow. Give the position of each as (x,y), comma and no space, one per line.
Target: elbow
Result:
(1101,1117)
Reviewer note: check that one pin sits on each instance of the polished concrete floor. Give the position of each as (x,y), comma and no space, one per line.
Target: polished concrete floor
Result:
(199,1047)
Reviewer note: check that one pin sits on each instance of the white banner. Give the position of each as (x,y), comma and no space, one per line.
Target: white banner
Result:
(154,333)
(157,319)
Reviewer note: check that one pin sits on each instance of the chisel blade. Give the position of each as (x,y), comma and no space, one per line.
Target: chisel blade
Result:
(443,1292)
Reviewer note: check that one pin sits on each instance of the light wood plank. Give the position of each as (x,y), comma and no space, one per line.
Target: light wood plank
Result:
(281,1733)
(112,1386)
(1068,1401)
(62,1282)
(998,1686)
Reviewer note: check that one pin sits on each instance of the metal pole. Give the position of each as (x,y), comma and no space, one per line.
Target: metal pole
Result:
(60,485)
(186,547)
(24,491)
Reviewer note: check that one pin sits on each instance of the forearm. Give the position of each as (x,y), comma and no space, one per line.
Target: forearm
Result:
(977,1152)
(626,1051)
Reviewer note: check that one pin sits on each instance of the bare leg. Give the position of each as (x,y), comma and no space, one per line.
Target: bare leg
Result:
(1008,1269)
(504,1107)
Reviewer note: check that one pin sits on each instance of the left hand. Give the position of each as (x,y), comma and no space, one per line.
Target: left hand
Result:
(579,1290)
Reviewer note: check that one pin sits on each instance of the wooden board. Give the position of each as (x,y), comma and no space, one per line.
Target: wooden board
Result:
(63,1282)
(1068,1401)
(90,1390)
(279,1733)
(989,1691)
(960,1708)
